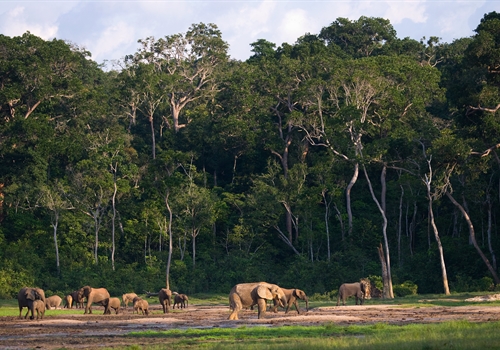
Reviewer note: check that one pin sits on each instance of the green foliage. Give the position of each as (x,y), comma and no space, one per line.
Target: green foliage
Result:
(405,288)
(252,159)
(463,283)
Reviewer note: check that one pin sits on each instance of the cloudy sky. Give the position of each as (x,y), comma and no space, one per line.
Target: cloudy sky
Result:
(109,29)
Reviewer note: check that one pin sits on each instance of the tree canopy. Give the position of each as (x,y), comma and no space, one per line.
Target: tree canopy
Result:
(350,153)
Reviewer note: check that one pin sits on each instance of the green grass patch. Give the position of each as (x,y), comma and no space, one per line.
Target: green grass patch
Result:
(449,335)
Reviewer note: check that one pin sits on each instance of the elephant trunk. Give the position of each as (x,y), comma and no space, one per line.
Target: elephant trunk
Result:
(307,303)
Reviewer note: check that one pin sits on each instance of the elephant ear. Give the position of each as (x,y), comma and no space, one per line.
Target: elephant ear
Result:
(264,293)
(30,294)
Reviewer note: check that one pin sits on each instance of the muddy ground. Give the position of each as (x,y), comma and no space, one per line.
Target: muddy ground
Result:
(77,331)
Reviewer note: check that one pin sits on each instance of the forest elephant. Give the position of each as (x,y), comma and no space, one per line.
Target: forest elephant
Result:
(128,298)
(68,301)
(290,298)
(25,298)
(76,300)
(249,294)
(346,290)
(165,297)
(94,295)
(39,307)
(181,300)
(53,301)
(141,305)
(113,303)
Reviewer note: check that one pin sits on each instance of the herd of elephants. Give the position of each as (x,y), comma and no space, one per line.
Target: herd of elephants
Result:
(243,295)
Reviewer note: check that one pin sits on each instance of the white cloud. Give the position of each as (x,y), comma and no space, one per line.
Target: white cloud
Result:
(113,38)
(16,22)
(293,25)
(412,10)
(242,26)
(459,13)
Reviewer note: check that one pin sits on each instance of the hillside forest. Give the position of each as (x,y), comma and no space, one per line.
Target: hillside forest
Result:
(351,153)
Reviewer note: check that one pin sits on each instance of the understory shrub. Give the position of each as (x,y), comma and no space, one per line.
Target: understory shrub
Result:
(405,288)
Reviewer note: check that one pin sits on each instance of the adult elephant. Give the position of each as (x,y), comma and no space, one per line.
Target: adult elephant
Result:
(26,297)
(165,297)
(53,302)
(94,295)
(290,298)
(128,298)
(250,294)
(358,290)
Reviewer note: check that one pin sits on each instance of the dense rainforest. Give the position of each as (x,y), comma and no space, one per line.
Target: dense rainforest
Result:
(350,153)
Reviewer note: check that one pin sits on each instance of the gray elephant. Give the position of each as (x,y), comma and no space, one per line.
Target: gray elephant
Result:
(290,298)
(25,298)
(76,300)
(94,295)
(39,307)
(347,290)
(181,300)
(113,303)
(68,300)
(165,297)
(53,302)
(128,298)
(141,305)
(249,294)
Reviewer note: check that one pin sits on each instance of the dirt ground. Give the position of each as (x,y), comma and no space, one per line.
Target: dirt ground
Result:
(77,331)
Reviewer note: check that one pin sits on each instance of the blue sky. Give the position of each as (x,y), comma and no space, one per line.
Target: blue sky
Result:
(110,29)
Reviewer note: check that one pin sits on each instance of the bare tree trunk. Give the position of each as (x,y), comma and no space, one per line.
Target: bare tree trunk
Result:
(440,249)
(492,252)
(113,248)
(341,222)
(96,260)
(389,293)
(153,140)
(327,226)
(170,242)
(427,182)
(55,224)
(348,196)
(400,223)
(473,237)
(194,234)
(385,274)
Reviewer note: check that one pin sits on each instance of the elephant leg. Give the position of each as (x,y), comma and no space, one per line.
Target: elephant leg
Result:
(237,306)
(261,303)
(292,301)
(295,302)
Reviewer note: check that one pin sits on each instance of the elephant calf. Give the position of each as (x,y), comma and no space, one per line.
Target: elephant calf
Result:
(290,298)
(113,303)
(53,302)
(181,300)
(39,307)
(141,305)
